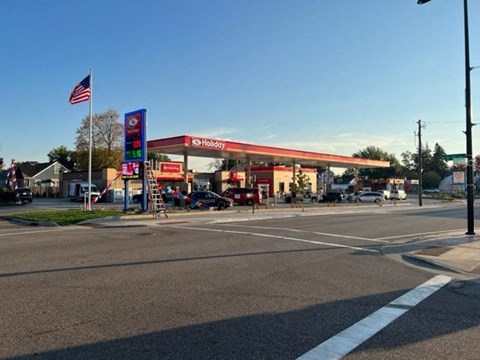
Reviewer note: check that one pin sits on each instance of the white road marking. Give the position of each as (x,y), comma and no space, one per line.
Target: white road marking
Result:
(310,232)
(20,232)
(280,237)
(456,231)
(343,343)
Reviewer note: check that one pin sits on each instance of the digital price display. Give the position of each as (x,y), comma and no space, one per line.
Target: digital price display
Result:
(135,142)
(133,149)
(131,170)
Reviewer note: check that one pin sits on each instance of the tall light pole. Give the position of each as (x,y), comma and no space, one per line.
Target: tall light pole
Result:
(468,130)
(420,163)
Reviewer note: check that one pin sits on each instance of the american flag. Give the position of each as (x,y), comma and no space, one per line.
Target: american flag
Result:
(81,91)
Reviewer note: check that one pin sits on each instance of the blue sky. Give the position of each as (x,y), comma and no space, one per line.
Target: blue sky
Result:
(326,76)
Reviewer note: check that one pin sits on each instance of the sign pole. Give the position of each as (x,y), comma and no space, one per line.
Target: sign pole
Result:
(135,149)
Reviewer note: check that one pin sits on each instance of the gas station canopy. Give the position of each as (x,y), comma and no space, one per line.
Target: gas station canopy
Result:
(198,146)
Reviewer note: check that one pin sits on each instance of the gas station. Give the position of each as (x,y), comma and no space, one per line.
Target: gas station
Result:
(249,154)
(274,170)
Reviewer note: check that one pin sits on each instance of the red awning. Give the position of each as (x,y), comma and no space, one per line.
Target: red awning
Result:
(173,178)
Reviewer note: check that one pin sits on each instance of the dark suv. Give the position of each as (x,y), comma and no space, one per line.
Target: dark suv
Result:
(243,196)
(24,195)
(332,197)
(207,199)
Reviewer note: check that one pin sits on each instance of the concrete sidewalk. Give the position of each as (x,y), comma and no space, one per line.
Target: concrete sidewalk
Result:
(458,253)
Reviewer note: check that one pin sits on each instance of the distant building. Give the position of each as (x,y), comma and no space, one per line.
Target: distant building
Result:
(44,179)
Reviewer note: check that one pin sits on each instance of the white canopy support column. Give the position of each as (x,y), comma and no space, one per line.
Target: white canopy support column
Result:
(185,172)
(248,180)
(294,179)
(329,183)
(356,178)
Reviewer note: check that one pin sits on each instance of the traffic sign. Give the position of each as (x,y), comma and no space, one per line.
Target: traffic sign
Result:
(454,156)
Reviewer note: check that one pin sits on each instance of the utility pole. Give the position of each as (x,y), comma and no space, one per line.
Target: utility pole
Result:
(420,162)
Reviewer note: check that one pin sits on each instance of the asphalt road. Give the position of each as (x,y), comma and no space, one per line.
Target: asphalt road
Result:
(269,289)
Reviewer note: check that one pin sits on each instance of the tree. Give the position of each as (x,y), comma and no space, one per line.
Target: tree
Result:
(477,163)
(29,163)
(157,157)
(375,153)
(431,179)
(427,159)
(107,141)
(63,156)
(301,184)
(409,167)
(438,164)
(430,162)
(408,162)
(222,164)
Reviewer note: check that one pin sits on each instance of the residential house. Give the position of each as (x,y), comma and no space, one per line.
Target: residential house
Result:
(44,179)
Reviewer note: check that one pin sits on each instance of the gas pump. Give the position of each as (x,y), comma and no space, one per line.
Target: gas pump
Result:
(264,189)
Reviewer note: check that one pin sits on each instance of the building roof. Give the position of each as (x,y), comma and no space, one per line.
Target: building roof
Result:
(30,170)
(216,148)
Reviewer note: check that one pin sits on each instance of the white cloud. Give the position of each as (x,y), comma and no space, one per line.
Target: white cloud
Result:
(220,132)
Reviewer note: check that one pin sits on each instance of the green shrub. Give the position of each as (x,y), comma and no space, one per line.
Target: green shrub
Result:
(7,195)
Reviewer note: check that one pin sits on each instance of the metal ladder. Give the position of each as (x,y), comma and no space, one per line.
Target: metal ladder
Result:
(155,203)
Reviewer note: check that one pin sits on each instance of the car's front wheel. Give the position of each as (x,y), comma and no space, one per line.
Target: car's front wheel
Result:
(221,205)
(249,202)
(357,200)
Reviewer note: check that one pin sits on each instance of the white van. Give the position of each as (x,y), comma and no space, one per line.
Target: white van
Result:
(398,195)
(78,191)
(386,193)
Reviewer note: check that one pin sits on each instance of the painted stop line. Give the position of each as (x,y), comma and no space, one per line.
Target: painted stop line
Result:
(341,344)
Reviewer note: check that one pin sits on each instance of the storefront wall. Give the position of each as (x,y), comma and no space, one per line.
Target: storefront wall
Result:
(228,179)
(280,178)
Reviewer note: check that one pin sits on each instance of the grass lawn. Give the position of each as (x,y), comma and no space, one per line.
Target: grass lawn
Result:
(66,217)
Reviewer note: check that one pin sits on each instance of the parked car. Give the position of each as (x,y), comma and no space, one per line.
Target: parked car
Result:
(198,199)
(287,197)
(386,193)
(332,196)
(167,198)
(431,191)
(398,195)
(24,195)
(315,197)
(368,196)
(137,198)
(243,196)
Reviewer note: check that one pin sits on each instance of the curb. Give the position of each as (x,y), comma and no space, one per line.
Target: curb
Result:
(30,222)
(430,263)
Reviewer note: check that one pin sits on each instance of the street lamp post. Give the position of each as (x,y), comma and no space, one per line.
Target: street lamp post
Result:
(468,130)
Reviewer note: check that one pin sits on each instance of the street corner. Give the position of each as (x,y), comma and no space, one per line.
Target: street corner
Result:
(460,254)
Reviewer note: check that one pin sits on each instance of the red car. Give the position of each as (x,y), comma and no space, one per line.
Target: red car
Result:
(243,196)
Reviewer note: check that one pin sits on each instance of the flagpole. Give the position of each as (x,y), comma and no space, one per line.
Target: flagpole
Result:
(90,147)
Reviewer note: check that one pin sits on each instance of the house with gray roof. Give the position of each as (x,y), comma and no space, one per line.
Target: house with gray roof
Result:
(44,179)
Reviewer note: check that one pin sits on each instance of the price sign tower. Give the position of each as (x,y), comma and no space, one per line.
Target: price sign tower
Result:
(135,148)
